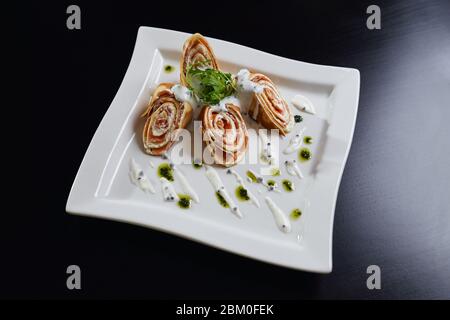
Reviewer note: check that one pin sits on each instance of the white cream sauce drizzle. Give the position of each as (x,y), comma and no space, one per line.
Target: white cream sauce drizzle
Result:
(295,143)
(139,178)
(279,216)
(218,186)
(293,169)
(185,185)
(303,104)
(183,94)
(267,153)
(168,190)
(240,181)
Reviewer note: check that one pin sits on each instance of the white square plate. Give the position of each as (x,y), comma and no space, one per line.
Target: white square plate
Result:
(102,187)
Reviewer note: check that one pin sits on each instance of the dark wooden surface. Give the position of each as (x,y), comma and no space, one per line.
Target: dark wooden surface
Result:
(393,208)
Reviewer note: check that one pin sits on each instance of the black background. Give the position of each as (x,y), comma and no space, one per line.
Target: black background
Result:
(393,208)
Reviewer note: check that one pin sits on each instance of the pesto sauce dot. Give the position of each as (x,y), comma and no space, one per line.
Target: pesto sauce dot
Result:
(304,154)
(168,68)
(197,164)
(242,193)
(185,201)
(275,172)
(271,183)
(222,200)
(164,170)
(308,140)
(252,176)
(295,214)
(288,185)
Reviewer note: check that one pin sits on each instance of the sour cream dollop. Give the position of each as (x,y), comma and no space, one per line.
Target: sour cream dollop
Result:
(222,105)
(303,104)
(245,84)
(183,94)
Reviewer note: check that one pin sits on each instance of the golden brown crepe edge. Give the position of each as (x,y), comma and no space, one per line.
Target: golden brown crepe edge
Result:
(201,39)
(264,117)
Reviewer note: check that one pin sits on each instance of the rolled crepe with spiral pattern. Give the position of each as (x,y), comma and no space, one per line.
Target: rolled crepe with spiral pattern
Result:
(164,116)
(225,134)
(269,108)
(196,50)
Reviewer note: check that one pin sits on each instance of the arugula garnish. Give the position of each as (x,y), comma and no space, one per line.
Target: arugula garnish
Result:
(210,85)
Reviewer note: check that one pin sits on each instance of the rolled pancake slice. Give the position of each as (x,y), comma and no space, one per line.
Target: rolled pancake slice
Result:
(163,117)
(269,108)
(225,134)
(196,49)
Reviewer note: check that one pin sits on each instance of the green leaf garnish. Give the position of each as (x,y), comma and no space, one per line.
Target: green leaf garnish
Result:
(210,85)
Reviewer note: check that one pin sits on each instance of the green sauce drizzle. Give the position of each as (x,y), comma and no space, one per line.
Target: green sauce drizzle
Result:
(166,171)
(168,68)
(222,200)
(298,118)
(304,154)
(242,194)
(197,164)
(288,185)
(185,201)
(295,214)
(308,140)
(275,172)
(252,176)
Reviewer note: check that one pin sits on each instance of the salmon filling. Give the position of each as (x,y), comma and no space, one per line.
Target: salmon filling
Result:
(164,116)
(225,134)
